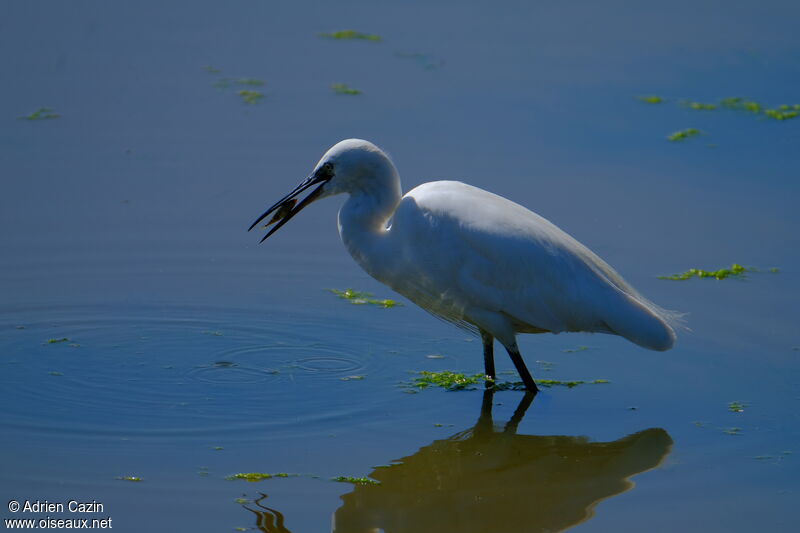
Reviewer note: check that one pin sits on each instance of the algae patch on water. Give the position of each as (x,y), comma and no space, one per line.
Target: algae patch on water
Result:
(57,341)
(699,106)
(651,99)
(453,381)
(574,350)
(342,88)
(351,35)
(682,135)
(362,298)
(447,380)
(356,480)
(737,407)
(736,271)
(43,113)
(251,97)
(259,476)
(135,479)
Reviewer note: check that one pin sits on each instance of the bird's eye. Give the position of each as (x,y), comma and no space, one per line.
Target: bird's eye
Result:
(327,170)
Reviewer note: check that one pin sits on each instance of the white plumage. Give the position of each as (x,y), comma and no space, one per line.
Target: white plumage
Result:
(474,258)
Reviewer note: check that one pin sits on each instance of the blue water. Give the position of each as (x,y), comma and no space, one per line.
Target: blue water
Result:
(194,353)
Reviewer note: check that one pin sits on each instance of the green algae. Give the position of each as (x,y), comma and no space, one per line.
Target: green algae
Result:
(55,373)
(447,380)
(700,106)
(353,378)
(781,114)
(342,88)
(682,135)
(560,383)
(211,70)
(362,298)
(547,366)
(43,113)
(651,99)
(737,407)
(251,97)
(574,350)
(732,431)
(454,381)
(741,104)
(134,479)
(56,341)
(356,480)
(351,35)
(736,270)
(259,476)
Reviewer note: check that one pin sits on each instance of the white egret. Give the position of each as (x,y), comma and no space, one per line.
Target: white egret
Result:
(474,258)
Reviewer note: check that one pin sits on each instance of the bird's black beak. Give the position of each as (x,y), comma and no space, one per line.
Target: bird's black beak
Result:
(287,207)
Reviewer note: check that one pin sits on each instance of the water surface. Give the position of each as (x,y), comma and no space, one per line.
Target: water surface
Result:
(194,354)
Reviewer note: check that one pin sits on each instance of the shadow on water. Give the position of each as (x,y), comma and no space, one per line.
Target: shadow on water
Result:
(489,478)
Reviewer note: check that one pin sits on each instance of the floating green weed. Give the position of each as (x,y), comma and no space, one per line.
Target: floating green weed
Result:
(345,35)
(353,378)
(700,106)
(783,112)
(736,270)
(578,349)
(741,104)
(55,373)
(682,135)
(135,479)
(447,380)
(733,431)
(56,341)
(361,298)
(43,113)
(736,407)
(356,480)
(554,382)
(650,99)
(453,381)
(251,97)
(211,70)
(342,88)
(259,476)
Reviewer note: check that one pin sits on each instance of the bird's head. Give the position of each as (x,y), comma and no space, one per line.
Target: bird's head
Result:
(350,166)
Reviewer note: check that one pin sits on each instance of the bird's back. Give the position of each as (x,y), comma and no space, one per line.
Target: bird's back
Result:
(459,248)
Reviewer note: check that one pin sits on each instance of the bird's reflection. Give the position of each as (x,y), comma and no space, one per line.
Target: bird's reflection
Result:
(268,519)
(489,478)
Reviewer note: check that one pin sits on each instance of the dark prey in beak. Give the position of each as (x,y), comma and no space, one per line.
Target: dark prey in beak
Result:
(286,208)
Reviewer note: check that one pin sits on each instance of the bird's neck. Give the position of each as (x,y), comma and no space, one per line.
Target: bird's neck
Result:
(364,226)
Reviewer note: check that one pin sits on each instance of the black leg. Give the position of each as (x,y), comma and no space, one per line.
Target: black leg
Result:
(488,357)
(516,358)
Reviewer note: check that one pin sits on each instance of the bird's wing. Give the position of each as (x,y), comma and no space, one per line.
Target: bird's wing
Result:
(473,248)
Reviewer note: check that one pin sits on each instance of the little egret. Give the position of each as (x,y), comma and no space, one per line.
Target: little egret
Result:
(473,258)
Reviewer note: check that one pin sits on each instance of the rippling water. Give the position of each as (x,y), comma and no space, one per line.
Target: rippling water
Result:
(184,353)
